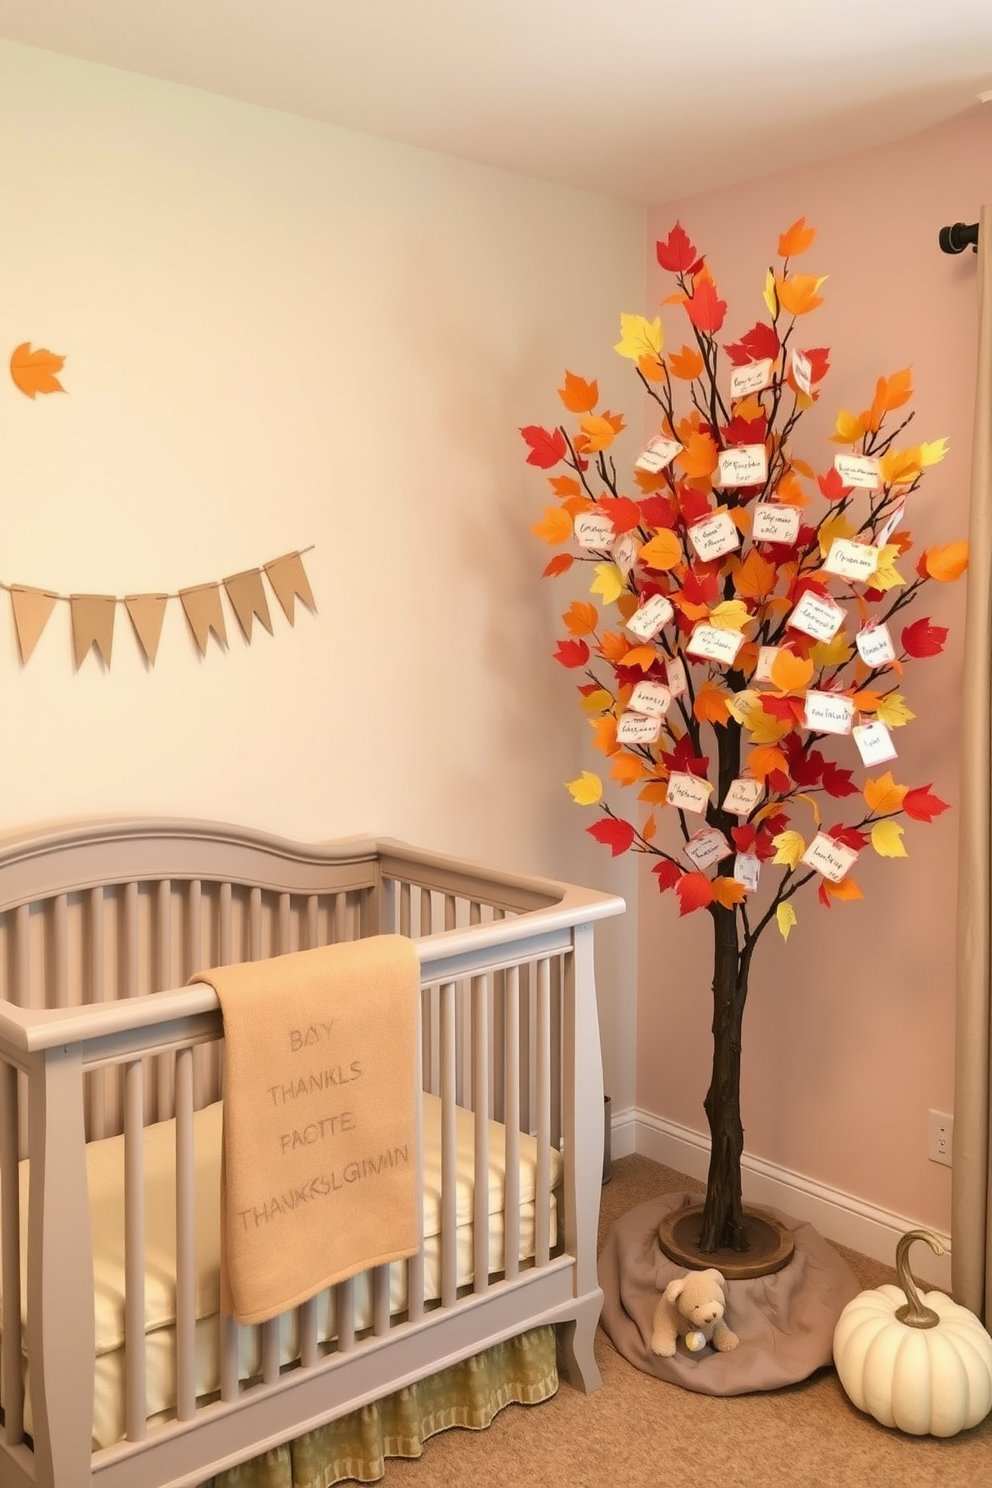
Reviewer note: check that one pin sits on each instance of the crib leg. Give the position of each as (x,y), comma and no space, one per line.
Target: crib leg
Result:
(577,1338)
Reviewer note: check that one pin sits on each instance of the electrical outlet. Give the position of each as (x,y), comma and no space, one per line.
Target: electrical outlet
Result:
(940,1137)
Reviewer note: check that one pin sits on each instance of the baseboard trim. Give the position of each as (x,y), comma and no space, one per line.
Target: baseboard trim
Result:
(839,1216)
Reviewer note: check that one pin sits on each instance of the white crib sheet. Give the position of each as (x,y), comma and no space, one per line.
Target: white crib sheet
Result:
(105,1166)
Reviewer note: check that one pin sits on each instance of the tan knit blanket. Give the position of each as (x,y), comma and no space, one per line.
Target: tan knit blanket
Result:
(321,1095)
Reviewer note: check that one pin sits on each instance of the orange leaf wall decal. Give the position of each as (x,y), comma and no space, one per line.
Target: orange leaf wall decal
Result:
(34,371)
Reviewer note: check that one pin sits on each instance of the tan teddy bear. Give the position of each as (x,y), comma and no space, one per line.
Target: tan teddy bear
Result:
(692,1307)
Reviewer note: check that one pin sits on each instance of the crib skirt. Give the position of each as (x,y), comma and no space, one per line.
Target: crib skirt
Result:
(521,1371)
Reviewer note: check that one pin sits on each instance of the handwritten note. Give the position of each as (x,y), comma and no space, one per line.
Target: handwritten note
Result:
(851,560)
(715,645)
(651,698)
(743,795)
(818,617)
(802,371)
(875,645)
(829,712)
(766,660)
(830,858)
(678,682)
(745,465)
(750,378)
(747,870)
(657,454)
(592,530)
(858,470)
(646,621)
(774,522)
(687,792)
(715,536)
(637,728)
(624,552)
(706,847)
(890,524)
(874,743)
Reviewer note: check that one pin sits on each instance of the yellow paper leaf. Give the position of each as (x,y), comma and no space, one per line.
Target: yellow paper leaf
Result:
(900,467)
(884,796)
(728,892)
(608,583)
(556,526)
(791,673)
(886,575)
(731,614)
(892,711)
(586,790)
(663,552)
(765,729)
(785,918)
(947,563)
(596,702)
(789,847)
(798,294)
(834,653)
(639,337)
(933,453)
(811,802)
(849,429)
(580,618)
(745,704)
(833,527)
(578,395)
(886,839)
(769,296)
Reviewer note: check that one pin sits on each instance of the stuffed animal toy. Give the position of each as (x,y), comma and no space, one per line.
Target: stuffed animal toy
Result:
(691,1307)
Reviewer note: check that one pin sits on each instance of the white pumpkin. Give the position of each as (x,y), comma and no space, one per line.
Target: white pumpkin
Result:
(921,1364)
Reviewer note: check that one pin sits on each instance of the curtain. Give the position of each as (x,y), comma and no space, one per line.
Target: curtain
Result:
(971,1186)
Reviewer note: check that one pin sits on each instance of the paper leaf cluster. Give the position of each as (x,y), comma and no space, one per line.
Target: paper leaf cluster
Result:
(742,649)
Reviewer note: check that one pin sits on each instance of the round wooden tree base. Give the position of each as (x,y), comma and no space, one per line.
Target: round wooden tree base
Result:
(770,1244)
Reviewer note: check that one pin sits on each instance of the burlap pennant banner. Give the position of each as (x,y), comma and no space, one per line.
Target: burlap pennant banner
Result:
(92,615)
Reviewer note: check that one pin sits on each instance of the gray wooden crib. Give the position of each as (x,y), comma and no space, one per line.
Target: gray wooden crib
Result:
(111,1089)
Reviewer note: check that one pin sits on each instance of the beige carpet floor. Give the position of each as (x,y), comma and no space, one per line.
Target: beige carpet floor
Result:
(639,1433)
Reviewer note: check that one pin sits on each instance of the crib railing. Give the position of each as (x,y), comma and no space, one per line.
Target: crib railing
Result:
(93,1042)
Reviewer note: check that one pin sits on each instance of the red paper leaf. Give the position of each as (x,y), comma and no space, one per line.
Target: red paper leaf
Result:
(623,513)
(676,253)
(612,833)
(682,758)
(838,782)
(755,345)
(559,564)
(667,874)
(832,487)
(695,892)
(923,639)
(744,837)
(779,782)
(694,505)
(706,310)
(848,837)
(572,653)
(657,512)
(819,362)
(547,447)
(745,431)
(921,805)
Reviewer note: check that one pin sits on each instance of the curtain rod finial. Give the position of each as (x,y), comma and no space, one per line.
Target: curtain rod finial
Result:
(955,239)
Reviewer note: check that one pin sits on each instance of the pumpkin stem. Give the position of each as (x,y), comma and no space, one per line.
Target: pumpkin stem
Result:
(914,1312)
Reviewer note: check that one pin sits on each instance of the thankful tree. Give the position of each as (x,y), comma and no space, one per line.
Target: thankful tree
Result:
(756,616)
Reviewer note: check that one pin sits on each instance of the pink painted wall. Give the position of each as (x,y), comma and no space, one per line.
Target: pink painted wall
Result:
(848,1036)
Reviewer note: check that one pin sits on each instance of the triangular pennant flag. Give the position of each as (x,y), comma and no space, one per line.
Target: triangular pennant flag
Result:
(32,608)
(92,624)
(147,612)
(203,611)
(247,596)
(288,578)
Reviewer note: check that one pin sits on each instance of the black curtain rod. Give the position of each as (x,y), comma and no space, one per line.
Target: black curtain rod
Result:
(956,239)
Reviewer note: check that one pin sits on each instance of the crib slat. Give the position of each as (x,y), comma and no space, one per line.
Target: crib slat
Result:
(511,1119)
(131,974)
(405,909)
(380,1301)
(11,1384)
(229,1339)
(285,936)
(449,1198)
(313,924)
(309,1347)
(542,1176)
(163,980)
(345,1296)
(255,951)
(480,1093)
(194,912)
(60,950)
(98,1079)
(185,1244)
(135,1410)
(270,1351)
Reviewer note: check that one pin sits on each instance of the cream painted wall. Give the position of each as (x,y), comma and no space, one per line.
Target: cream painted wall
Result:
(280,334)
(848,1036)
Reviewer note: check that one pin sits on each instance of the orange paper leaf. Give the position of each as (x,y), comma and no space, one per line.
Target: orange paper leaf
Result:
(710,705)
(34,371)
(728,892)
(796,239)
(578,395)
(687,363)
(947,563)
(581,618)
(798,293)
(755,579)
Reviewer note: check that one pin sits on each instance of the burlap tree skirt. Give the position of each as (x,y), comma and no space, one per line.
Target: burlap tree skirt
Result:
(785,1321)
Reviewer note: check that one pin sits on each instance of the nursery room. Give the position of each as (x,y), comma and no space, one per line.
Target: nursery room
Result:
(494,639)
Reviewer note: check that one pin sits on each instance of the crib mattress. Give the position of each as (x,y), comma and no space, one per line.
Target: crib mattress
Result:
(105,1167)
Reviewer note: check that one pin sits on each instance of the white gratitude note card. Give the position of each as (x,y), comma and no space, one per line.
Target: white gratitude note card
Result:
(594,531)
(851,560)
(715,536)
(657,454)
(747,870)
(743,795)
(829,712)
(715,645)
(750,378)
(817,617)
(687,792)
(802,371)
(706,847)
(858,470)
(875,645)
(624,552)
(889,526)
(775,522)
(646,621)
(678,682)
(745,465)
(766,660)
(637,728)
(651,698)
(874,743)
(828,857)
